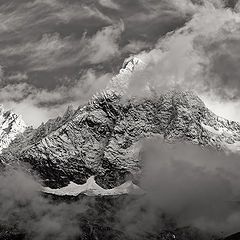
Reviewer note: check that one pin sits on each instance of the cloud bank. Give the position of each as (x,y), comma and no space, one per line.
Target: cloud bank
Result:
(185,186)
(24,209)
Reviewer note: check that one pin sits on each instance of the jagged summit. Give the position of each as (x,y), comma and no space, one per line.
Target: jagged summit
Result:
(10,126)
(131,64)
(119,84)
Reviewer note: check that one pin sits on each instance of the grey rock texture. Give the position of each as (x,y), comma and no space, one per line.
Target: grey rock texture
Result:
(104,137)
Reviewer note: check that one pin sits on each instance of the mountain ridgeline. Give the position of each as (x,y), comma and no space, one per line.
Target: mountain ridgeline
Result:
(104,137)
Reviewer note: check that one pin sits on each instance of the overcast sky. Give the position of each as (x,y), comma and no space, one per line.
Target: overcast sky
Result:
(59,52)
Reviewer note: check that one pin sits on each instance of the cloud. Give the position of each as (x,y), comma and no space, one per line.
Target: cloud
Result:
(109,4)
(53,52)
(104,44)
(39,105)
(1,72)
(32,30)
(188,57)
(185,186)
(201,56)
(135,46)
(18,77)
(222,107)
(23,207)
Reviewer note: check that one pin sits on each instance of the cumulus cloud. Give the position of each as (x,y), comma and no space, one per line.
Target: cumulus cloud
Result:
(201,56)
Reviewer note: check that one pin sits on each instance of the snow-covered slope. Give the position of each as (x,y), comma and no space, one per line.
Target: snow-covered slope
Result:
(10,126)
(91,188)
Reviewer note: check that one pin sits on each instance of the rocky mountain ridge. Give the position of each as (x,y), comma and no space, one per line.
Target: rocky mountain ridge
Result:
(104,138)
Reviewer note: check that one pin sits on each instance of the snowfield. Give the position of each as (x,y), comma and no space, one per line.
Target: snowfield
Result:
(91,188)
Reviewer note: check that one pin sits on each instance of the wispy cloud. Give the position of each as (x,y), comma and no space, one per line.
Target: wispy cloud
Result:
(41,41)
(136,46)
(17,16)
(109,4)
(53,51)
(18,76)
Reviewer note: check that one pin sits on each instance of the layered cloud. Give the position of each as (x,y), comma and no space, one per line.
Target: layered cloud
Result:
(46,45)
(52,51)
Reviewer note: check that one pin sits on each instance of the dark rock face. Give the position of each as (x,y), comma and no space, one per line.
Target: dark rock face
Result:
(235,236)
(104,137)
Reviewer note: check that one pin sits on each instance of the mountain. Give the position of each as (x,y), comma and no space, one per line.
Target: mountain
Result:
(104,137)
(95,153)
(10,126)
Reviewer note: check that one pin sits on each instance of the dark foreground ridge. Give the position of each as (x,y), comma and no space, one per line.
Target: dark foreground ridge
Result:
(98,224)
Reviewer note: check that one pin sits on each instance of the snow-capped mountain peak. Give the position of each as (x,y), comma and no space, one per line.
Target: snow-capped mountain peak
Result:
(11,125)
(119,84)
(131,64)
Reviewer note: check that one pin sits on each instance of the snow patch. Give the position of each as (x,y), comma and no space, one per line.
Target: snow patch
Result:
(219,131)
(91,188)
(234,147)
(210,129)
